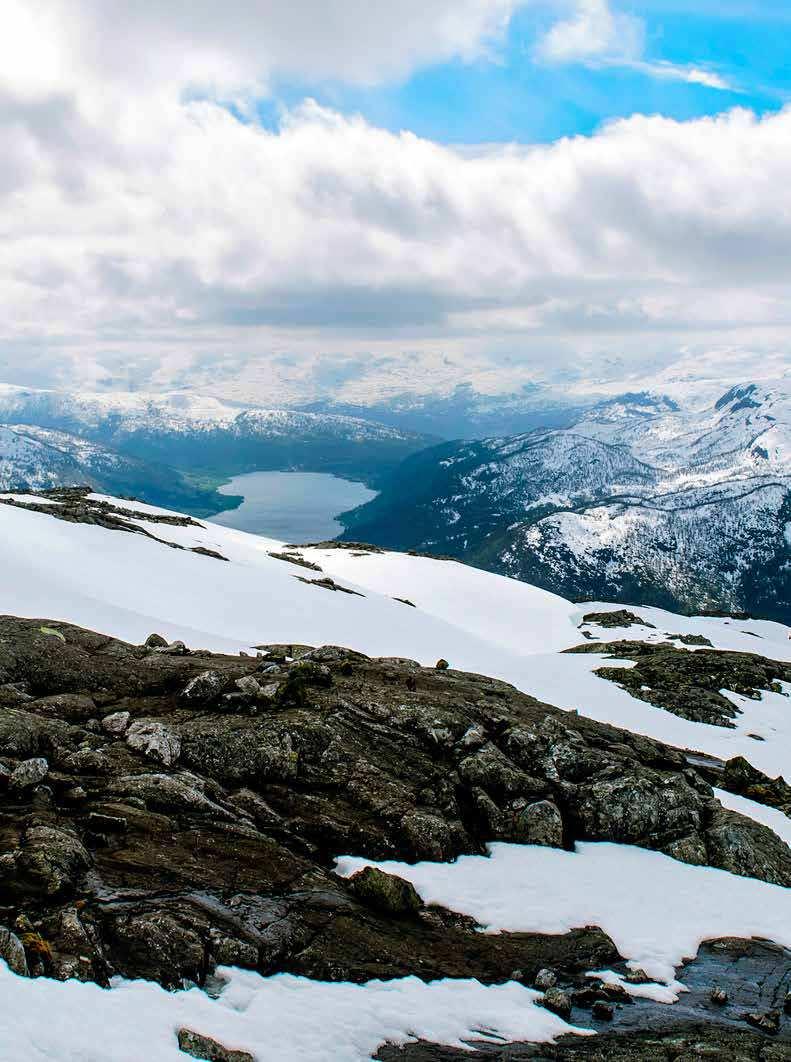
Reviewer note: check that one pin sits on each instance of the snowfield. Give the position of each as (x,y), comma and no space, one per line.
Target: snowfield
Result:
(284,1017)
(657,911)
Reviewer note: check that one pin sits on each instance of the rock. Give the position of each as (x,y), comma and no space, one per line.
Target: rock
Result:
(787,1003)
(539,823)
(228,951)
(155,641)
(203,1047)
(29,773)
(429,836)
(43,797)
(116,722)
(602,1011)
(385,892)
(742,846)
(719,996)
(204,687)
(249,686)
(768,1022)
(556,1000)
(442,665)
(545,979)
(13,694)
(172,649)
(52,859)
(155,741)
(12,952)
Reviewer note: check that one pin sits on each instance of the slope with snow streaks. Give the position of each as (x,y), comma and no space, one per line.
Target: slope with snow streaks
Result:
(128,585)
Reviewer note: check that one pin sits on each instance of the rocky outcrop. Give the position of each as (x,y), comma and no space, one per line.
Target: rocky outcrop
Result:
(186,831)
(690,684)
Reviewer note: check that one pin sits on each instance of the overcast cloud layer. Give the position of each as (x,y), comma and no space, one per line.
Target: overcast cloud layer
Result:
(142,217)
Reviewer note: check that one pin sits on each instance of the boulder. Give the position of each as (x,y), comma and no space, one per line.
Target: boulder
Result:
(204,687)
(538,823)
(385,892)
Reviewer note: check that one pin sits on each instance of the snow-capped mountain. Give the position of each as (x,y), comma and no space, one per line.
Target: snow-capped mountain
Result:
(34,458)
(639,501)
(191,432)
(337,800)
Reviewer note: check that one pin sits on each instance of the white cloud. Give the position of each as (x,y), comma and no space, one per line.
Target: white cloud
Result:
(597,35)
(140,228)
(237,45)
(592,32)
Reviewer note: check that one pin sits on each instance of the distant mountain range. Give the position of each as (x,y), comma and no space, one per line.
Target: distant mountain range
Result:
(638,501)
(174,449)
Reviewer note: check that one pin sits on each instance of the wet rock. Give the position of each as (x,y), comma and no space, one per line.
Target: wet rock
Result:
(385,892)
(556,1000)
(29,773)
(204,687)
(12,952)
(155,741)
(767,1021)
(199,1046)
(602,1011)
(116,722)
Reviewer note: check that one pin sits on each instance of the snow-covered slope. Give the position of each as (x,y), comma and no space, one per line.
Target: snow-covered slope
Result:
(640,501)
(425,609)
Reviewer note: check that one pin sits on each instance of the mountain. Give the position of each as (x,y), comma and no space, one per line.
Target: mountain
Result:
(639,501)
(248,810)
(33,458)
(199,434)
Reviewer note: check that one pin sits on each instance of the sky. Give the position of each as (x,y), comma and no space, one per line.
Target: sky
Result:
(353,198)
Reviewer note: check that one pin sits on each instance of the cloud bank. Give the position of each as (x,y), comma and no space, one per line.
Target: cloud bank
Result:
(140,212)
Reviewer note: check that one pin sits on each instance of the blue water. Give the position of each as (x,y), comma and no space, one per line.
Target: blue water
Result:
(292,506)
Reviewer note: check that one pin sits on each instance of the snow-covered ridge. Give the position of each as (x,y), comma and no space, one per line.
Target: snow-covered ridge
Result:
(175,412)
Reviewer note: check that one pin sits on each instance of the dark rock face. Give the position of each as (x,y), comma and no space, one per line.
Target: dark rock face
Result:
(199,1046)
(185,832)
(688,684)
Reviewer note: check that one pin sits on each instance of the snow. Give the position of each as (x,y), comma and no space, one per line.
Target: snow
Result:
(657,910)
(291,1018)
(128,586)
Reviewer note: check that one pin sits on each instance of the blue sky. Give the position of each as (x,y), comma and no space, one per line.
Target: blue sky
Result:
(514,95)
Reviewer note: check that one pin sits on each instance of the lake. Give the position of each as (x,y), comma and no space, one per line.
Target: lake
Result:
(291,506)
